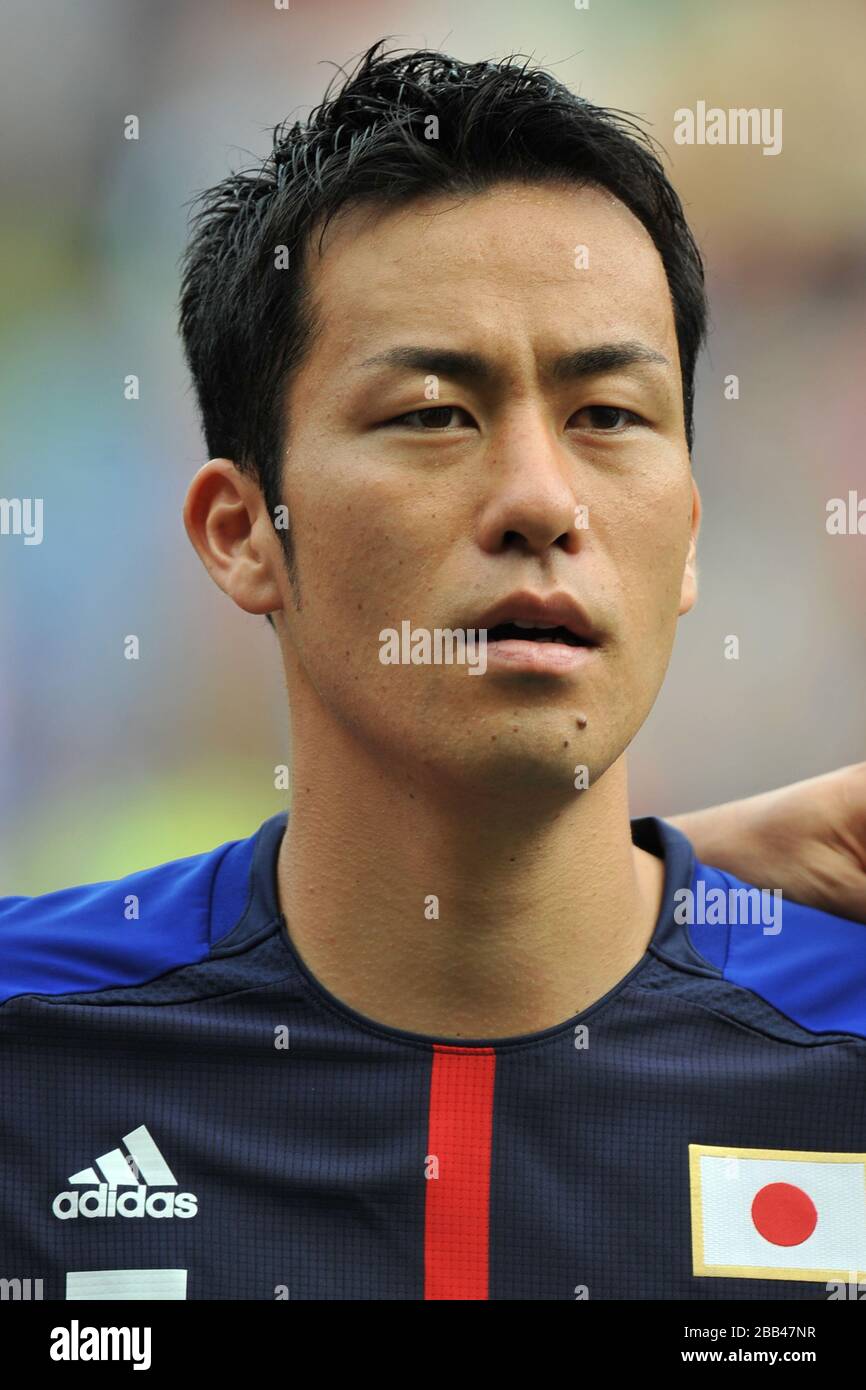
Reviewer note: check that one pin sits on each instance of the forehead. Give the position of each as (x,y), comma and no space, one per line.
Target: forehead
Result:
(519,262)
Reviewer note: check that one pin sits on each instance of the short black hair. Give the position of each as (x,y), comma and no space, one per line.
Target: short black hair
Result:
(399,128)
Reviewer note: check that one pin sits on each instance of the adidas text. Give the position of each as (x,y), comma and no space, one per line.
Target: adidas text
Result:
(105,1200)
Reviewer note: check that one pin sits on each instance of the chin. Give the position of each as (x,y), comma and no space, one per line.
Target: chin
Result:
(512,767)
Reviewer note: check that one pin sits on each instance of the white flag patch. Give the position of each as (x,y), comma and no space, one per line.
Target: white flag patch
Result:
(777,1213)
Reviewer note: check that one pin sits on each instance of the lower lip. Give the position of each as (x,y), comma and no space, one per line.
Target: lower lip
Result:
(542,658)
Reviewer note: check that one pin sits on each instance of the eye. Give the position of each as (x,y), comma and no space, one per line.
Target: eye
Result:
(433,418)
(610,419)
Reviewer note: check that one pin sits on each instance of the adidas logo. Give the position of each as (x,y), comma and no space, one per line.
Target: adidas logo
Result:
(142,1167)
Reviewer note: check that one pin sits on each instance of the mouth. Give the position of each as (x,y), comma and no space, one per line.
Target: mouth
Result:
(529,632)
(532,633)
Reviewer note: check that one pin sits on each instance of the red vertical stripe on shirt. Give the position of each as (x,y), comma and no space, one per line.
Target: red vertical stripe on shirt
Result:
(460,1132)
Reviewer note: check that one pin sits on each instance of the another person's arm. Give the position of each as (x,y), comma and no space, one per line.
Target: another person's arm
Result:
(809,839)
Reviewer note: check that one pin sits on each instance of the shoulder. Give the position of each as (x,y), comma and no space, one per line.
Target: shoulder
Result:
(809,964)
(125,931)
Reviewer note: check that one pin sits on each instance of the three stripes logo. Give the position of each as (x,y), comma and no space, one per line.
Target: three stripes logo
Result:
(141,1168)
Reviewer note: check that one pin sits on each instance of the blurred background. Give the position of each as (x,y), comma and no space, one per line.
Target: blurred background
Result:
(108,765)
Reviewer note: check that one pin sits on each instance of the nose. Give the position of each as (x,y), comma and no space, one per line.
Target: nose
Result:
(530,503)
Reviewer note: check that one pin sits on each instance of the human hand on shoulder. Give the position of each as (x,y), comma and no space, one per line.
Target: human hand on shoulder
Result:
(809,839)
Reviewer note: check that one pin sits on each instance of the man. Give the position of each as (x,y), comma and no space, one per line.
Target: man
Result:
(459,1029)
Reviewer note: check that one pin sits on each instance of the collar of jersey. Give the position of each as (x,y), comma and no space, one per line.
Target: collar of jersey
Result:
(670,940)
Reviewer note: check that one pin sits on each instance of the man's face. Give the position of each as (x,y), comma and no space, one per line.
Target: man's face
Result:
(438,517)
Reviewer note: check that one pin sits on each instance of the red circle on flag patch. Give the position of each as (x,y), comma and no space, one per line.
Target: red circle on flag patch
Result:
(784,1214)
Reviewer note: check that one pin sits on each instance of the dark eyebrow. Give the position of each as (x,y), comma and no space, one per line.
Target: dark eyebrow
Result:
(471,366)
(606,357)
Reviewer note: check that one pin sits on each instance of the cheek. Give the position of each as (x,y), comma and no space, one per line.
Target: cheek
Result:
(367,554)
(648,549)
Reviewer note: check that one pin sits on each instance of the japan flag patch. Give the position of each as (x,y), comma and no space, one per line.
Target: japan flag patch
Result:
(777,1214)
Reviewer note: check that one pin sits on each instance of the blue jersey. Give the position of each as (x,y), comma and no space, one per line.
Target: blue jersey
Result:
(187,1113)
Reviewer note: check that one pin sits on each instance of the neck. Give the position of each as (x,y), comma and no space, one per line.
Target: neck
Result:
(460,916)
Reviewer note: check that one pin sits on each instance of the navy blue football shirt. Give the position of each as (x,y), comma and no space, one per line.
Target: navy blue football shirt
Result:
(188,1113)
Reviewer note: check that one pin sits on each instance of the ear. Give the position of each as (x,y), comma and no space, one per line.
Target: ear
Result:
(228,524)
(689,589)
